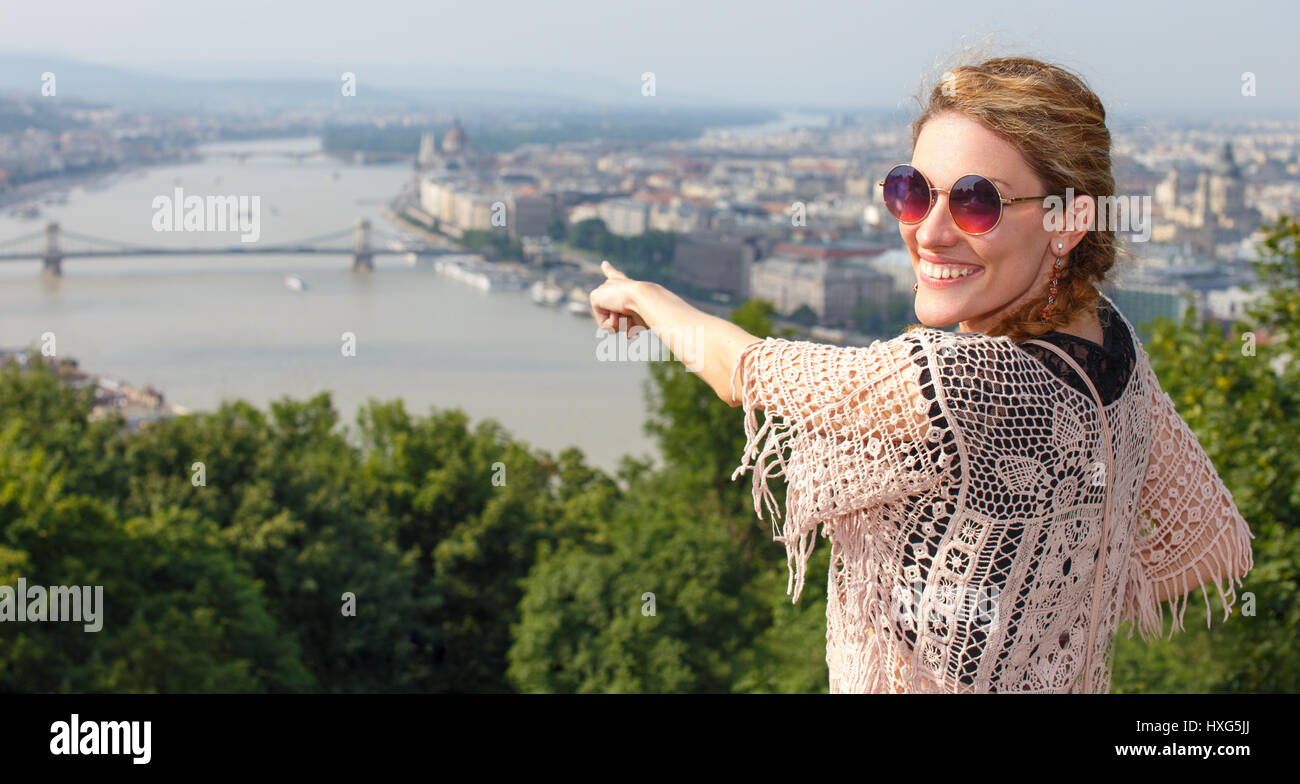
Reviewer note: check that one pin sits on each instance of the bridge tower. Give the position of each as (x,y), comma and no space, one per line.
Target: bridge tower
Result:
(52,260)
(363,258)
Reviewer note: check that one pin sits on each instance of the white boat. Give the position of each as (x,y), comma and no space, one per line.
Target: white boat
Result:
(474,271)
(294,282)
(546,293)
(579,301)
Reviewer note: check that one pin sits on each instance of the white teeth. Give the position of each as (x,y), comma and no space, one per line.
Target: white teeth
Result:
(946,270)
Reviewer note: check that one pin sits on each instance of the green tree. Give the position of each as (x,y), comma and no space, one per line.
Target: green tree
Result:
(686,538)
(179,612)
(557,229)
(1245,412)
(892,319)
(282,492)
(653,601)
(472,506)
(804,315)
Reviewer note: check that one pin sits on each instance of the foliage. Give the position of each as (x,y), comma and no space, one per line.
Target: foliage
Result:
(490,138)
(804,315)
(1244,412)
(499,244)
(870,318)
(647,256)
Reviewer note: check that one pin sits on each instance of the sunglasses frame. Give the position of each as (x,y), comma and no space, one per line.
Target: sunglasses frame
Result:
(1002,200)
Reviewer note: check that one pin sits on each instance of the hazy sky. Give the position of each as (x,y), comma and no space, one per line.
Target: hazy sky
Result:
(1137,55)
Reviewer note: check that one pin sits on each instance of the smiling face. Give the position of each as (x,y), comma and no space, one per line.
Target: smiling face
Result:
(1010,265)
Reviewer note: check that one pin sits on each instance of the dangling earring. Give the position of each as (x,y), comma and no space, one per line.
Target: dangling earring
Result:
(1051,286)
(914,286)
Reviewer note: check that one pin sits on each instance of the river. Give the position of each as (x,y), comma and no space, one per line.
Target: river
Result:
(204,329)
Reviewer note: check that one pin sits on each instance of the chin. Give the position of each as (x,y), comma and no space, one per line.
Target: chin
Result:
(939,316)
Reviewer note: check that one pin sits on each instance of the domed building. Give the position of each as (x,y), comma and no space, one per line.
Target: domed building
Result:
(453,155)
(1227,190)
(1227,195)
(454,141)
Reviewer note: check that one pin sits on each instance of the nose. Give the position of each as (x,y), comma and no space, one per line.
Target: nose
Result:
(937,229)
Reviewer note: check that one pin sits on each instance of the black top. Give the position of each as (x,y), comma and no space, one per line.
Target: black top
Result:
(1108,366)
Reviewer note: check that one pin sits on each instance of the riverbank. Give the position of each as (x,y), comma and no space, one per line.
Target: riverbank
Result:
(139,406)
(588,267)
(37,191)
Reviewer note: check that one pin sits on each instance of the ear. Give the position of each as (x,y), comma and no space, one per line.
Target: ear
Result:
(1084,218)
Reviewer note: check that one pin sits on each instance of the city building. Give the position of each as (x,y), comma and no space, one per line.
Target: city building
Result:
(1216,213)
(530,214)
(625,217)
(455,153)
(897,264)
(718,261)
(831,288)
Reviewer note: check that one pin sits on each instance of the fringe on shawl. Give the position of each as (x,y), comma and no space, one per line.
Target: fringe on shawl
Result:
(778,433)
(811,500)
(1229,557)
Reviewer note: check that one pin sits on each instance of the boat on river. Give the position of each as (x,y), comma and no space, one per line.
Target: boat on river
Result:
(547,293)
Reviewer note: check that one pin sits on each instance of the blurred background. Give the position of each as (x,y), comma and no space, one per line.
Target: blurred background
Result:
(298,363)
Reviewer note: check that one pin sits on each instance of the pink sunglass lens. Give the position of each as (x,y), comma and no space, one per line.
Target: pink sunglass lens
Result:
(975,204)
(907,194)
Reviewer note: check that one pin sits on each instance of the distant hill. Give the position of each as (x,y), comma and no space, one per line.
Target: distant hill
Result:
(271,86)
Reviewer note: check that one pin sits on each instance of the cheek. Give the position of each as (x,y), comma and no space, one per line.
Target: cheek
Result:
(1004,264)
(908,233)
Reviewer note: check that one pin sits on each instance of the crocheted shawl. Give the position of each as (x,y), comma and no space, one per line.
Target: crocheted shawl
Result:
(964,489)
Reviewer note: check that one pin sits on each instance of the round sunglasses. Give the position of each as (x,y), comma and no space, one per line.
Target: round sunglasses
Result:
(974,202)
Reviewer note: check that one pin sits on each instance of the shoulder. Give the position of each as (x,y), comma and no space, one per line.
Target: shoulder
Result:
(943,359)
(905,378)
(955,352)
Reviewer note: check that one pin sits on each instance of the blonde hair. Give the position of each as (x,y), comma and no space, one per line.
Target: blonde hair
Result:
(1058,124)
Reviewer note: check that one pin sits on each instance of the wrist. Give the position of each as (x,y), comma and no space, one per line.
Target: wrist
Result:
(642,294)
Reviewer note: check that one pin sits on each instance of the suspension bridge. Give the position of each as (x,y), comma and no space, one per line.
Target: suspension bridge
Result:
(52,245)
(242,156)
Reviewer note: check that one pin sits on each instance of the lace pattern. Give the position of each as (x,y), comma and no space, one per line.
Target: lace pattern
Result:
(1109,366)
(954,473)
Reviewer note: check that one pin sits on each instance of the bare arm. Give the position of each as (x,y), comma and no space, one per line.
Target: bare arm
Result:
(706,344)
(877,386)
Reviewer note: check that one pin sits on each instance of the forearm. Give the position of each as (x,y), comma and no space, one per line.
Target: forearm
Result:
(706,344)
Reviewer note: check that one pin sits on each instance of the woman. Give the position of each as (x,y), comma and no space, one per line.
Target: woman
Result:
(989,527)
